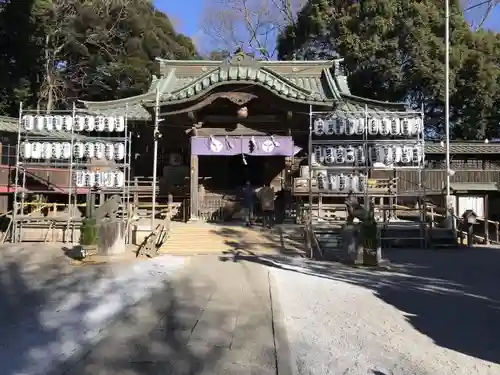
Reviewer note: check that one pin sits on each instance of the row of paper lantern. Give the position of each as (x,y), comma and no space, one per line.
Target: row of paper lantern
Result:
(375,126)
(89,179)
(77,123)
(387,154)
(55,150)
(342,183)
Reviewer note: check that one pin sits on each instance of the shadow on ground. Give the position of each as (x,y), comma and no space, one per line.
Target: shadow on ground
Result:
(276,240)
(453,297)
(52,316)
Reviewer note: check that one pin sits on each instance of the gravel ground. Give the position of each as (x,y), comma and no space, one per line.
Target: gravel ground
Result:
(50,312)
(433,313)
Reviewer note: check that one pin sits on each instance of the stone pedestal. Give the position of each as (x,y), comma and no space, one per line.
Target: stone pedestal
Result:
(111,237)
(352,249)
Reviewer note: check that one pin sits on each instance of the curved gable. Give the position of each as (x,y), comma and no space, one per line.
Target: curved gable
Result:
(254,75)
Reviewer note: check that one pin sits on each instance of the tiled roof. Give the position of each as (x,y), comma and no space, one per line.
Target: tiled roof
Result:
(464,148)
(308,82)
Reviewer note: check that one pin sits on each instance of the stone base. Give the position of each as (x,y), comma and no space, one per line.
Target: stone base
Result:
(111,238)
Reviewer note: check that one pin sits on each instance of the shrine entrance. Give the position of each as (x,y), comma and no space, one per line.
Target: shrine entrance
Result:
(230,173)
(226,163)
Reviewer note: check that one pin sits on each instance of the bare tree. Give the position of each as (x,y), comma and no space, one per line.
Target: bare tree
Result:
(57,21)
(478,11)
(250,25)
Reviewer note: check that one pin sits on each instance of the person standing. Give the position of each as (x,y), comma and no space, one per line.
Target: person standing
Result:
(266,197)
(248,203)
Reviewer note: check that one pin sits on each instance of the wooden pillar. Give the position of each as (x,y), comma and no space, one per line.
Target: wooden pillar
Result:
(486,219)
(193,183)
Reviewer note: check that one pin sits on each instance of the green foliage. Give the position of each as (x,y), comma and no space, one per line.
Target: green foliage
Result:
(89,233)
(394,50)
(53,52)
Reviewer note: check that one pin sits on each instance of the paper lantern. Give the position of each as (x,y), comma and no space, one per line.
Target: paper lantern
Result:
(39,123)
(90,123)
(90,179)
(361,126)
(317,155)
(119,125)
(361,183)
(418,125)
(379,154)
(350,155)
(78,150)
(398,154)
(333,181)
(350,128)
(108,179)
(36,150)
(342,182)
(46,150)
(355,183)
(89,150)
(80,179)
(99,150)
(417,154)
(56,151)
(119,151)
(373,126)
(99,179)
(108,123)
(100,123)
(329,157)
(119,179)
(407,155)
(26,150)
(340,155)
(340,127)
(28,122)
(360,155)
(322,180)
(319,127)
(67,123)
(330,127)
(109,151)
(388,155)
(406,127)
(385,127)
(48,123)
(395,126)
(66,150)
(79,124)
(57,124)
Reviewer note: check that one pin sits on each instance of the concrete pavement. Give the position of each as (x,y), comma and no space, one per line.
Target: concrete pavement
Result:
(215,317)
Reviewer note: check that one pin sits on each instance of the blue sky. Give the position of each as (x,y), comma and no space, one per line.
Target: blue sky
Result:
(186,15)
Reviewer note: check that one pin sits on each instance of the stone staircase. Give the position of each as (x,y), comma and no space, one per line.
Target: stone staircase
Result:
(207,238)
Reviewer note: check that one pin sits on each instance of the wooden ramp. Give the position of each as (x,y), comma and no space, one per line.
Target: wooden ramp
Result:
(205,238)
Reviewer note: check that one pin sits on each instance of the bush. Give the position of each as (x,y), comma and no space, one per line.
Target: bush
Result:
(89,232)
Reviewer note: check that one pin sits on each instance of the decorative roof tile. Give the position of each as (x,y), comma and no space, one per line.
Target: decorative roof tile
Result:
(463,148)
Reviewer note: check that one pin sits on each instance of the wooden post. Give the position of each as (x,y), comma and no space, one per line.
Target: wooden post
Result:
(497,234)
(193,182)
(432,216)
(486,220)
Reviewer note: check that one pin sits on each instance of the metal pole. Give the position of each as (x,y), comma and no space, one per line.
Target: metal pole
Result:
(70,172)
(16,181)
(310,161)
(447,102)
(155,157)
